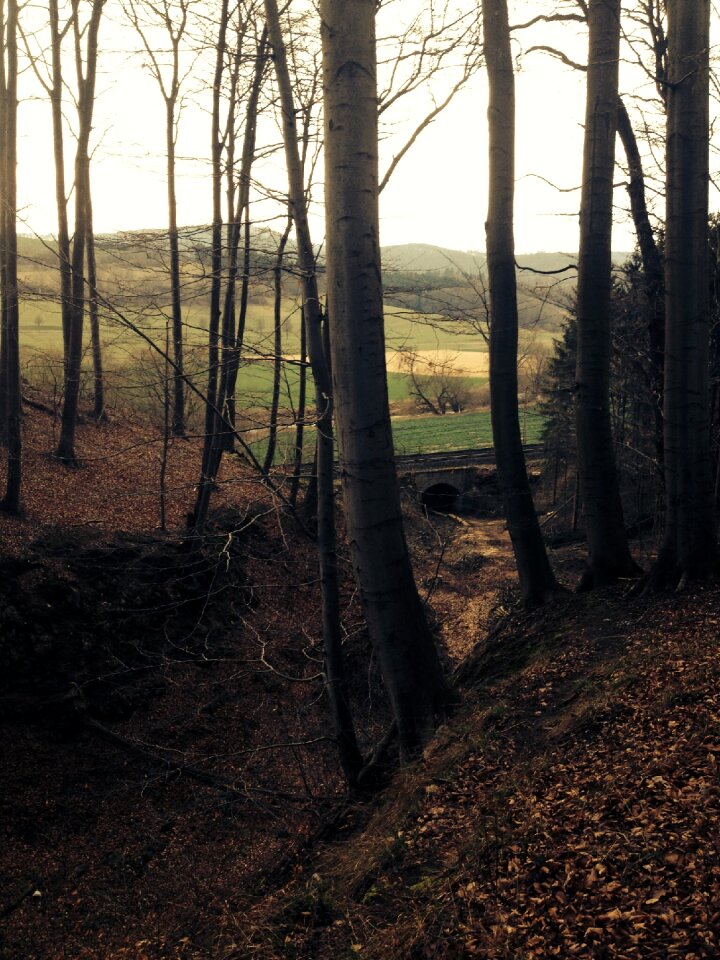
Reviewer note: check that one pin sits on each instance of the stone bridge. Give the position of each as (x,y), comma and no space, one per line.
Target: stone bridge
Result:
(449,481)
(446,481)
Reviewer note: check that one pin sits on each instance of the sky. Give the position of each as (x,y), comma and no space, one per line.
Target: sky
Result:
(437,195)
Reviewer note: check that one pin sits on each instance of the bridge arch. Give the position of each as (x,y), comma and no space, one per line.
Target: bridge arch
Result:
(443,497)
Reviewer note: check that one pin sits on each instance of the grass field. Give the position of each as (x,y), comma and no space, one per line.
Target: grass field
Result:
(127,354)
(457,431)
(135,372)
(427,434)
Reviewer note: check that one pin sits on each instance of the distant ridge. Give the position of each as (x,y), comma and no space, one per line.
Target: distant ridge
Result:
(426,257)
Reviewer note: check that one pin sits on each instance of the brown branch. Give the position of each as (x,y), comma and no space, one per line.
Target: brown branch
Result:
(549,18)
(559,55)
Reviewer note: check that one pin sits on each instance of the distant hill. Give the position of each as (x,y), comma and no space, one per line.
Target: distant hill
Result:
(425,257)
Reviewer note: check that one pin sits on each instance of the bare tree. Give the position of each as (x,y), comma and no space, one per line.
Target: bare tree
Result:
(609,556)
(10,352)
(396,621)
(436,385)
(537,581)
(145,17)
(350,757)
(86,71)
(689,550)
(224,338)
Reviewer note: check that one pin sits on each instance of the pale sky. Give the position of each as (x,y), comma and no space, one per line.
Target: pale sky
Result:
(437,194)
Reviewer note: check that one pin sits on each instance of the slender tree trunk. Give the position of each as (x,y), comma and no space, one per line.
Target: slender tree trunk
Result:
(178,405)
(4,305)
(11,500)
(654,306)
(56,91)
(300,414)
(277,349)
(350,757)
(609,556)
(394,614)
(232,337)
(689,550)
(234,366)
(99,412)
(212,419)
(86,102)
(222,381)
(537,581)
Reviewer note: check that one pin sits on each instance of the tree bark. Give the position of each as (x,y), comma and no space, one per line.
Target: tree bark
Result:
(537,581)
(211,440)
(348,750)
(609,556)
(300,413)
(220,408)
(689,550)
(394,614)
(652,270)
(56,91)
(13,412)
(99,412)
(178,406)
(86,102)
(277,348)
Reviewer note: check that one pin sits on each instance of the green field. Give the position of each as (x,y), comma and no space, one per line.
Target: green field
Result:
(426,434)
(456,431)
(135,372)
(128,358)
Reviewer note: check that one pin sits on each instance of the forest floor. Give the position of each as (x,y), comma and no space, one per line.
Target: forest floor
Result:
(170,789)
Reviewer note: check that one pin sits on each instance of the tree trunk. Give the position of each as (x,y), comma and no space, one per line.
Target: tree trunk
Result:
(394,614)
(99,412)
(537,581)
(13,413)
(222,377)
(277,349)
(211,440)
(4,313)
(349,753)
(689,550)
(178,405)
(56,91)
(609,556)
(232,337)
(300,414)
(86,102)
(652,270)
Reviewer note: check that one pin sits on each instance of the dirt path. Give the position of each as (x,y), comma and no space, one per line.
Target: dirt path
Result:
(476,571)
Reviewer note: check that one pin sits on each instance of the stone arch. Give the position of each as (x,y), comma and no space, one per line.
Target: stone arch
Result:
(443,497)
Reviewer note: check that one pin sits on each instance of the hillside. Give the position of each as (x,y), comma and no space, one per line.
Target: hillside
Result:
(570,810)
(171,792)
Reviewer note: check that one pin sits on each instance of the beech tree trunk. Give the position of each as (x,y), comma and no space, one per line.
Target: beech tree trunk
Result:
(348,750)
(537,581)
(277,348)
(86,102)
(178,405)
(394,614)
(99,412)
(55,90)
(211,443)
(609,555)
(300,414)
(654,306)
(689,550)
(13,410)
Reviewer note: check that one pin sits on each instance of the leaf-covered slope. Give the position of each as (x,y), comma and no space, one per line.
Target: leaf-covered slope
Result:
(572,811)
